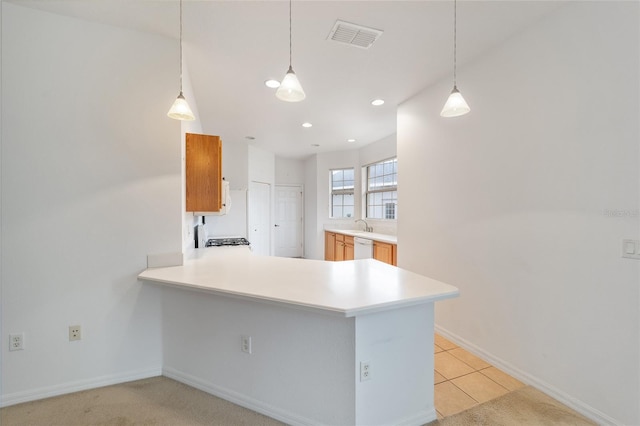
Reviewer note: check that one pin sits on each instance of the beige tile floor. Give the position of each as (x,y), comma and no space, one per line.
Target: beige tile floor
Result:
(462,380)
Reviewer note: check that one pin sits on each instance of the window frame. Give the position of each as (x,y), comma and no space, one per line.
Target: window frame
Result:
(383,189)
(343,191)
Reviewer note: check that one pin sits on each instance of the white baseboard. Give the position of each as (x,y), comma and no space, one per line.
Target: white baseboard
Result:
(237,398)
(80,385)
(419,419)
(566,399)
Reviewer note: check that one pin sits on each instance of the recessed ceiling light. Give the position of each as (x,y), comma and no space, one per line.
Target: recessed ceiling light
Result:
(351,140)
(307,125)
(377,102)
(272,84)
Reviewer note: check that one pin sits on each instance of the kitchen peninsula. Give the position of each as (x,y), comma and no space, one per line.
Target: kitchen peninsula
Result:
(347,343)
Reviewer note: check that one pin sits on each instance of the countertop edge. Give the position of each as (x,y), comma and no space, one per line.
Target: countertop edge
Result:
(347,313)
(391,239)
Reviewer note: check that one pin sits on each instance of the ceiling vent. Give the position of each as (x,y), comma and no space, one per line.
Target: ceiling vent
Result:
(354,35)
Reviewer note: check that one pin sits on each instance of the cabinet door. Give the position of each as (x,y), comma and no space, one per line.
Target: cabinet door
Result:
(339,251)
(329,246)
(383,252)
(348,248)
(203,173)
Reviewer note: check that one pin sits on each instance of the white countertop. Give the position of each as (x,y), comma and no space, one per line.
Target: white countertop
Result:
(385,238)
(346,288)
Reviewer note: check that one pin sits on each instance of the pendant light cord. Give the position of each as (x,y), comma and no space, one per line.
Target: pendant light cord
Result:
(455,35)
(180,46)
(289,33)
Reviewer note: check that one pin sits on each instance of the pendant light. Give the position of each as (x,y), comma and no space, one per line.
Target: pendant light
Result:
(455,105)
(290,89)
(180,109)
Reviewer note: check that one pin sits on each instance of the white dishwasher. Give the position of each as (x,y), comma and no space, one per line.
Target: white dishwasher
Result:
(362,248)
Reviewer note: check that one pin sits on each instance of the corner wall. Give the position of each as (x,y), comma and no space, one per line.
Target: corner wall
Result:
(524,202)
(317,185)
(91,184)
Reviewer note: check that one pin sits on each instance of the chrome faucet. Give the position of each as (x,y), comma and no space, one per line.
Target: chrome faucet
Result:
(367,228)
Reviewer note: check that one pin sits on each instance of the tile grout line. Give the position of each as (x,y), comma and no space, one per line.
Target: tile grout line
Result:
(475,370)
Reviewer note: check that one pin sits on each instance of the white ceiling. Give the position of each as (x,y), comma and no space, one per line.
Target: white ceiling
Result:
(232,47)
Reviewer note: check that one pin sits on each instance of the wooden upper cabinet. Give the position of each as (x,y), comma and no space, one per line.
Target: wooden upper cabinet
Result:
(203,170)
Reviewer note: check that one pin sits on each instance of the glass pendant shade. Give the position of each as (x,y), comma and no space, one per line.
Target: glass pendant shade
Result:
(290,89)
(455,105)
(180,109)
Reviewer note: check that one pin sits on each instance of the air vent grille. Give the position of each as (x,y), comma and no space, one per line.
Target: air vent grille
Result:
(354,35)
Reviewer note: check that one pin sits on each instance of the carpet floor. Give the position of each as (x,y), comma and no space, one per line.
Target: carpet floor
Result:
(162,401)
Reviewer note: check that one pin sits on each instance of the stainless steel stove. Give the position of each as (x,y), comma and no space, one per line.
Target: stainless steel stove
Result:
(218,242)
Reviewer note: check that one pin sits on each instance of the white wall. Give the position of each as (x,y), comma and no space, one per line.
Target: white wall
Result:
(510,202)
(317,186)
(261,165)
(189,220)
(203,349)
(235,169)
(235,163)
(261,169)
(91,184)
(311,209)
(289,171)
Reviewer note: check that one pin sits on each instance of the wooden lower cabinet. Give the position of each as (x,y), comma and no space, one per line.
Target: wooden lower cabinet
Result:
(348,248)
(338,246)
(329,246)
(384,252)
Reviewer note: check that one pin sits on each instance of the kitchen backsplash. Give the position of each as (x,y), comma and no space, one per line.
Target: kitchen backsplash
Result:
(387,227)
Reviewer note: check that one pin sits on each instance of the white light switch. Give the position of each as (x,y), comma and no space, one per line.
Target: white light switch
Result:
(631,249)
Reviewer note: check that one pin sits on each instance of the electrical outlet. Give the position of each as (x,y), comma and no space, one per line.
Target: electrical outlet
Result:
(245,344)
(16,342)
(75,333)
(365,371)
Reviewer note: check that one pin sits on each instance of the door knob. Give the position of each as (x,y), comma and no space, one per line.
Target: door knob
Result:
(277,226)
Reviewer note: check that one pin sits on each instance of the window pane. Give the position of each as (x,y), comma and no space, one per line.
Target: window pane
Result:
(348,200)
(390,211)
(348,174)
(377,212)
(341,180)
(348,211)
(380,176)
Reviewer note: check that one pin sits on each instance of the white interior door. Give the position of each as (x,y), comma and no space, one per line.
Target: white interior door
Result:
(288,221)
(260,217)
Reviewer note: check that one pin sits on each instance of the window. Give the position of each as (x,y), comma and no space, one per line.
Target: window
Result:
(342,199)
(382,190)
